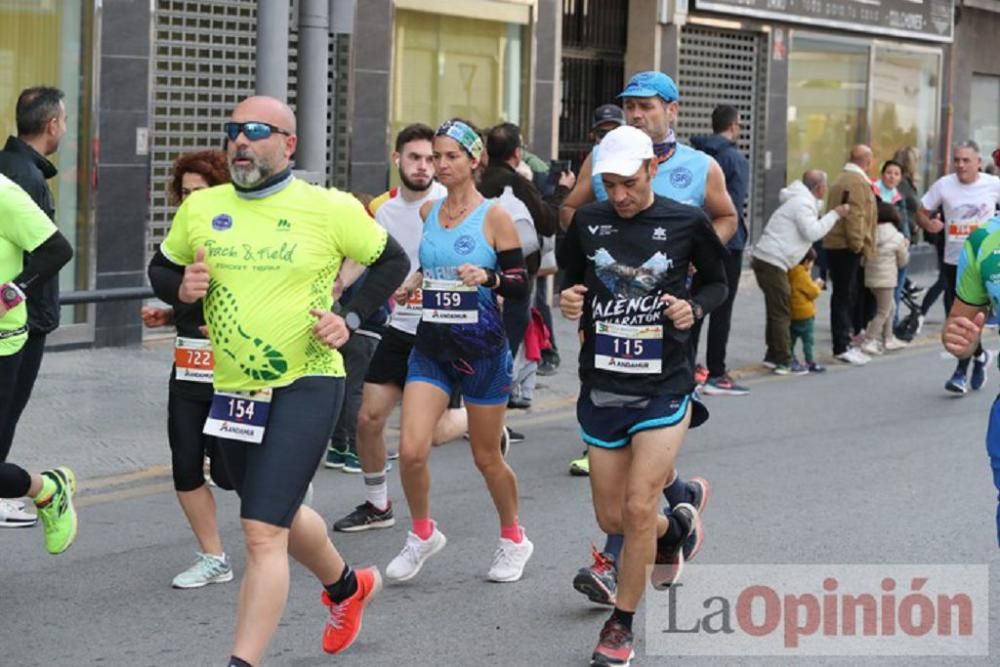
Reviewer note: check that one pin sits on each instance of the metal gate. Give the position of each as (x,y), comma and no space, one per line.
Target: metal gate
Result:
(203,64)
(727,67)
(593,68)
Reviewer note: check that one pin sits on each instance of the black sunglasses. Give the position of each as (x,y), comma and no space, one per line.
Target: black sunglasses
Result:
(252,130)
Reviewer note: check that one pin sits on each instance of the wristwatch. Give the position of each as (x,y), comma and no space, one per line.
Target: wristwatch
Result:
(10,296)
(696,310)
(353,321)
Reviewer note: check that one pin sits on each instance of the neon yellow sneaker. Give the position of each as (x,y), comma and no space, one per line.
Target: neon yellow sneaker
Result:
(580,467)
(57,512)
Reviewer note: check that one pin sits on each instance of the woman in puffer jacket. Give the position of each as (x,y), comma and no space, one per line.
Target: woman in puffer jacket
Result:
(892,252)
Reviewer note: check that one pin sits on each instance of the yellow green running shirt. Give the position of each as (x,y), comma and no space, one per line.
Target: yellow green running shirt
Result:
(23,227)
(271,261)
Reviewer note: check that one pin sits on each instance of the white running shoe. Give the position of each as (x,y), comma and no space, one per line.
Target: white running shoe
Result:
(853,356)
(509,559)
(892,344)
(13,515)
(871,347)
(207,569)
(415,553)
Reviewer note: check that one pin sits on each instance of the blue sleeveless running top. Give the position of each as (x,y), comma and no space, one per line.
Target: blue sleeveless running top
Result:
(681,178)
(442,251)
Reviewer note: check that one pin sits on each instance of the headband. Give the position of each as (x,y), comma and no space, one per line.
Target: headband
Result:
(466,137)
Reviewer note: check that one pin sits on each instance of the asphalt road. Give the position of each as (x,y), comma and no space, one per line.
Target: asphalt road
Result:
(869,465)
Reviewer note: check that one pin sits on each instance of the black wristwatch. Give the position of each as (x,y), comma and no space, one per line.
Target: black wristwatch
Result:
(696,310)
(353,321)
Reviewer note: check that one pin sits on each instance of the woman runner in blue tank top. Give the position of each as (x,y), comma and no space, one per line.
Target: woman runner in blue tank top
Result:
(469,253)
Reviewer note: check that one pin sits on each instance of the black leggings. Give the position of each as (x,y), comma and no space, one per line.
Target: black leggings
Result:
(25,370)
(188,445)
(272,478)
(14,481)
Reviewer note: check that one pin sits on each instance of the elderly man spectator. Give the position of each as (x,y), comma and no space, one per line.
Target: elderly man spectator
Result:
(792,229)
(851,238)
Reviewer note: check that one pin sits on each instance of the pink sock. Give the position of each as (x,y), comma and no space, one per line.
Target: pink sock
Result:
(512,533)
(423,528)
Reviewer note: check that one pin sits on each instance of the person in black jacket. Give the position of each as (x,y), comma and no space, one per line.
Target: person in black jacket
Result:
(503,148)
(722,147)
(41,125)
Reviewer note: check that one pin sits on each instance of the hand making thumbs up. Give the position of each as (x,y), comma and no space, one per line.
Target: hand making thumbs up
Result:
(196,279)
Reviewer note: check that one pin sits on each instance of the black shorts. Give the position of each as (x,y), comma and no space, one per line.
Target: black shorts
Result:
(272,478)
(613,427)
(390,363)
(188,445)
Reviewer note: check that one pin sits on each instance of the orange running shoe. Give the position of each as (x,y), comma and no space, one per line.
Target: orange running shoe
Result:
(344,623)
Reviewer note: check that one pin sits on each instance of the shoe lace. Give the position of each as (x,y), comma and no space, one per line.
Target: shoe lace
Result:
(601,562)
(337,612)
(502,557)
(207,565)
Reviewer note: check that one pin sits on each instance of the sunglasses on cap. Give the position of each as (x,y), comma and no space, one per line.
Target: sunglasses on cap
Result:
(252,130)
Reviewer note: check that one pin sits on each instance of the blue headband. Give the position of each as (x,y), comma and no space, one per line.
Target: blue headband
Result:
(466,137)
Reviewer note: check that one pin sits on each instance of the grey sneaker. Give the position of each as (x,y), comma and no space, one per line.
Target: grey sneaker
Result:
(207,569)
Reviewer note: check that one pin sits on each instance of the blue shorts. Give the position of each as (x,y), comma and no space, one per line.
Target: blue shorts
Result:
(484,381)
(613,427)
(993,449)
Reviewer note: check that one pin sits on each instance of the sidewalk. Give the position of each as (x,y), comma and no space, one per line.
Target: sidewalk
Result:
(103,411)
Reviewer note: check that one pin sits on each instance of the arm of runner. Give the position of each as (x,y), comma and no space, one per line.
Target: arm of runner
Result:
(931,201)
(718,205)
(574,265)
(964,325)
(512,280)
(707,255)
(45,261)
(583,193)
(385,274)
(349,273)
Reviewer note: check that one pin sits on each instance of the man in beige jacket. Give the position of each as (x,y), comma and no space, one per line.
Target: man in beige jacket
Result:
(850,239)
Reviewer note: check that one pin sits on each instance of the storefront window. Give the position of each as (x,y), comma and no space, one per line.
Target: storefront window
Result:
(827,103)
(44,43)
(985,120)
(447,66)
(905,92)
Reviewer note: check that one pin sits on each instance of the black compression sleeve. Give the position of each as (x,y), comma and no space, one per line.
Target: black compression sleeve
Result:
(707,256)
(45,261)
(165,278)
(385,274)
(512,281)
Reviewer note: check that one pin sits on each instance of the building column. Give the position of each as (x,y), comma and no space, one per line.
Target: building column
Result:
(122,207)
(312,97)
(370,92)
(272,48)
(547,100)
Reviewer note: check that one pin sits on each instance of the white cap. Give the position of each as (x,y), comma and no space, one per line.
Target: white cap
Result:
(622,151)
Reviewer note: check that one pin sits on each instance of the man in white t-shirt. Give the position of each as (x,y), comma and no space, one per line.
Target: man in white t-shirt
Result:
(968,199)
(399,214)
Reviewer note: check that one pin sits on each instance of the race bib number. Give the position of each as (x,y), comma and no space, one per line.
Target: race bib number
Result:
(239,415)
(961,231)
(414,304)
(194,359)
(622,348)
(449,302)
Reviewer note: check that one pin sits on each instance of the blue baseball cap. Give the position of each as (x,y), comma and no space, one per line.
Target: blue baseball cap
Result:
(652,84)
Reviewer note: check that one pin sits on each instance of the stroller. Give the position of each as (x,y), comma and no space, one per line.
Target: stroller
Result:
(909,326)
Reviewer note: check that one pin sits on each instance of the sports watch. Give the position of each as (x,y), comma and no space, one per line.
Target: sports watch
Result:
(10,296)
(353,321)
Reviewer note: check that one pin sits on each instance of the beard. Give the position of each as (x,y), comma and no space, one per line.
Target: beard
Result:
(414,187)
(248,176)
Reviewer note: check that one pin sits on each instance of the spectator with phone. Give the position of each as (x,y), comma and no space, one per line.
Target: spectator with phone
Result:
(851,239)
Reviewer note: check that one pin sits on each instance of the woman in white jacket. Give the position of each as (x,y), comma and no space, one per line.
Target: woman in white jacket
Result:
(892,252)
(793,227)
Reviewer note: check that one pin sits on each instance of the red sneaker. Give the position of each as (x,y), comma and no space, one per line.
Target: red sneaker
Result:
(344,623)
(614,649)
(700,374)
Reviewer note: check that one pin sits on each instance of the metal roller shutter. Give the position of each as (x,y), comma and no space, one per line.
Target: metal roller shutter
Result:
(727,67)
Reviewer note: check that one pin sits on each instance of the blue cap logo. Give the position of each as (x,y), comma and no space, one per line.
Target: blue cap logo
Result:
(652,84)
(222,222)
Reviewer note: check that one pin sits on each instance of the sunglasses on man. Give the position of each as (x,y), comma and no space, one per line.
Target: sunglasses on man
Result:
(252,130)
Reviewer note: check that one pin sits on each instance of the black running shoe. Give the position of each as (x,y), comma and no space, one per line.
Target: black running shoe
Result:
(515,437)
(364,517)
(599,582)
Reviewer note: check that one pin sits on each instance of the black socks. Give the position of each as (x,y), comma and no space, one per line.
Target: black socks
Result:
(344,587)
(238,662)
(623,617)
